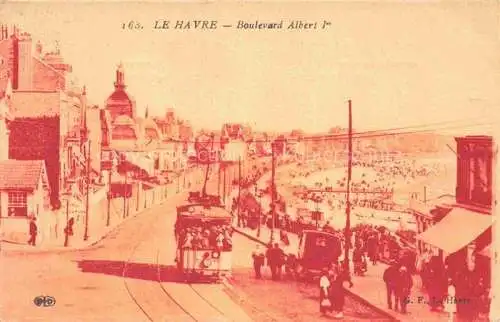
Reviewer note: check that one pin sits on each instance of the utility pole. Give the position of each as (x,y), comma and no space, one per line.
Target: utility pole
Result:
(273,190)
(109,198)
(125,192)
(348,201)
(218,178)
(207,170)
(66,231)
(239,191)
(87,198)
(224,187)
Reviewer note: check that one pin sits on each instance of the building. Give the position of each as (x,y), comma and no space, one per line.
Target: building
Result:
(120,103)
(24,192)
(5,119)
(28,67)
(127,139)
(46,109)
(168,125)
(46,126)
(459,231)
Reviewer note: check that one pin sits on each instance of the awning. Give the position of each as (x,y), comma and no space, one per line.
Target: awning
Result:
(456,230)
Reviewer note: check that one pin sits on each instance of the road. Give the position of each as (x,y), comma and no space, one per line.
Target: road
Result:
(128,276)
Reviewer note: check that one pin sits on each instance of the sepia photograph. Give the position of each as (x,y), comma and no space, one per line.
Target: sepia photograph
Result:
(249,161)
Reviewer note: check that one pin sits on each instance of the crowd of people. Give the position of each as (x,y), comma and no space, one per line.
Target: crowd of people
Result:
(455,281)
(205,236)
(371,243)
(381,178)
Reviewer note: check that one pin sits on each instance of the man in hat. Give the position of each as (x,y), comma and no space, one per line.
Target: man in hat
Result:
(33,230)
(258,261)
(390,277)
(404,283)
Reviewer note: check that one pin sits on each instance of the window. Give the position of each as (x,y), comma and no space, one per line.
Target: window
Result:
(17,204)
(475,173)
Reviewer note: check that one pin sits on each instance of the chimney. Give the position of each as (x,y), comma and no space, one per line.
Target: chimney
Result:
(38,50)
(25,62)
(4,32)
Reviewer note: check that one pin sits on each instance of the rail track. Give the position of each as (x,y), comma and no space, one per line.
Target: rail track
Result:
(153,289)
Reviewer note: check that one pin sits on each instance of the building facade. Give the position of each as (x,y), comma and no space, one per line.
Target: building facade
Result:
(459,231)
(24,193)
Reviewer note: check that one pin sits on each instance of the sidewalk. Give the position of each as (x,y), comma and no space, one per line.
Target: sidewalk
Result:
(369,288)
(76,242)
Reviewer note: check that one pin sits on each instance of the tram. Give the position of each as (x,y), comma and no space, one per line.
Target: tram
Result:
(203,235)
(317,250)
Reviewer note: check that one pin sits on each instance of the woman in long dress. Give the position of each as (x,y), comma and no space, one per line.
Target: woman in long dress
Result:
(325,305)
(337,290)
(450,305)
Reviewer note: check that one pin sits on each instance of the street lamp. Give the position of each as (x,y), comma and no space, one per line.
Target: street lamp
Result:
(178,181)
(259,217)
(67,195)
(114,164)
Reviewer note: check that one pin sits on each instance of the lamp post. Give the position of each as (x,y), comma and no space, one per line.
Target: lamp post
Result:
(273,190)
(224,181)
(257,195)
(67,194)
(178,181)
(125,192)
(113,165)
(87,198)
(348,201)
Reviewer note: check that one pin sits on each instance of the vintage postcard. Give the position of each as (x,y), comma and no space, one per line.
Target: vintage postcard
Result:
(244,161)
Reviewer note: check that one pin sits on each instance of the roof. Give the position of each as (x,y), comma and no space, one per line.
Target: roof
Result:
(47,103)
(21,174)
(120,96)
(203,211)
(317,232)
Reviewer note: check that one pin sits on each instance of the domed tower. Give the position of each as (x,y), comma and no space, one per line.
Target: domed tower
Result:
(120,102)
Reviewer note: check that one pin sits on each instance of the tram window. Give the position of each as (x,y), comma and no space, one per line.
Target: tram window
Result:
(321,241)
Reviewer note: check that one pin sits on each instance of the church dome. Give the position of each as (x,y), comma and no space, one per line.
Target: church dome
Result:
(119,96)
(120,102)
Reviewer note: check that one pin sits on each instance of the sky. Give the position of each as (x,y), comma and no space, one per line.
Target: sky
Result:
(401,64)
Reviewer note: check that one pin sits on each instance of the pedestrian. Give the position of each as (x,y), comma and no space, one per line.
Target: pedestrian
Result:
(450,305)
(284,238)
(325,304)
(280,260)
(357,258)
(33,230)
(68,230)
(337,292)
(291,266)
(404,283)
(271,260)
(390,276)
(258,261)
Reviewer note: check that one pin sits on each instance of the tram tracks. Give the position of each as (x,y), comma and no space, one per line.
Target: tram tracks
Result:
(158,300)
(143,285)
(205,299)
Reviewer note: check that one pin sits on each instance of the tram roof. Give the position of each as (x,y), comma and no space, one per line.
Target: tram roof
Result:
(318,232)
(202,211)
